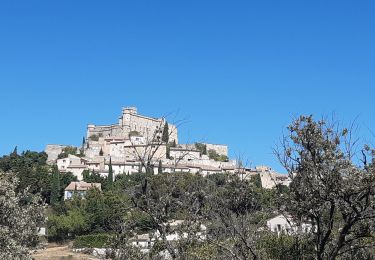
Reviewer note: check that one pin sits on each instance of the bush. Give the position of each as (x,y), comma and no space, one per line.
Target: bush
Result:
(201,147)
(61,227)
(212,154)
(134,133)
(92,241)
(94,137)
(66,151)
(283,246)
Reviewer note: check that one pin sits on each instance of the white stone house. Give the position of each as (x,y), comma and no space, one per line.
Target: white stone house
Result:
(146,241)
(285,224)
(64,163)
(143,241)
(73,164)
(122,167)
(79,188)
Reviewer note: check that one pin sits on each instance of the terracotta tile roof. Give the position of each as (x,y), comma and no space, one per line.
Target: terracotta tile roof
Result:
(82,186)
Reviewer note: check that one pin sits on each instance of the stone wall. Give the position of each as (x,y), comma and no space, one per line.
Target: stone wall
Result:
(53,150)
(219,148)
(130,121)
(104,130)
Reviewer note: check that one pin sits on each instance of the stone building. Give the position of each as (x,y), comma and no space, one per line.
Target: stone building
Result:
(73,164)
(79,188)
(132,122)
(53,151)
(285,224)
(137,140)
(270,178)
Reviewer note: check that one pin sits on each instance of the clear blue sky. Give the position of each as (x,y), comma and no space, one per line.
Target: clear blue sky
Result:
(240,70)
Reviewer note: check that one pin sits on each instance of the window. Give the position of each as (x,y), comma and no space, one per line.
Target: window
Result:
(278,227)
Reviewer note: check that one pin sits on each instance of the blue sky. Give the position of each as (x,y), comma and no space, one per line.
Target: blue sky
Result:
(240,71)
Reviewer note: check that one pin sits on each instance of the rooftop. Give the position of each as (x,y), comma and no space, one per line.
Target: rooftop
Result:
(82,186)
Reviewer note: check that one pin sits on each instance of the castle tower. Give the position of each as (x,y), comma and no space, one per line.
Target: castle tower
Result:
(125,118)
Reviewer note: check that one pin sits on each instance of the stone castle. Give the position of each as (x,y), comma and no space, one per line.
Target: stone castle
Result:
(135,140)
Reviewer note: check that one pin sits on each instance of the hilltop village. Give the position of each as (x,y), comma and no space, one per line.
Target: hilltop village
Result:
(139,143)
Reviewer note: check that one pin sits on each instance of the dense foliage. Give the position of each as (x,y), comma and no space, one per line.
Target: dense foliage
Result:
(92,241)
(68,150)
(212,154)
(21,213)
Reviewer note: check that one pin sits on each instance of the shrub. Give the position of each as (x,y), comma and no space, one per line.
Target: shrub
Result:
(92,241)
(201,147)
(94,137)
(212,154)
(61,227)
(134,133)
(66,151)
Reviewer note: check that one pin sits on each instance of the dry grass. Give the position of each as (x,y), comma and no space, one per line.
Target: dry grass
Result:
(60,252)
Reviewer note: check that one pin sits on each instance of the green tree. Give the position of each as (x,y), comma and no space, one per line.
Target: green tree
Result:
(201,147)
(212,154)
(86,175)
(31,170)
(284,246)
(257,180)
(55,185)
(168,152)
(14,153)
(65,180)
(110,172)
(71,224)
(21,215)
(66,151)
(165,136)
(95,177)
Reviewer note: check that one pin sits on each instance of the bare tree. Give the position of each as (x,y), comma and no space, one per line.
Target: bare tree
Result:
(237,218)
(329,189)
(160,197)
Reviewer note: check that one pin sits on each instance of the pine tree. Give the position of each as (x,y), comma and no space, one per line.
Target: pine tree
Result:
(160,168)
(55,186)
(168,151)
(165,137)
(14,153)
(110,172)
(86,175)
